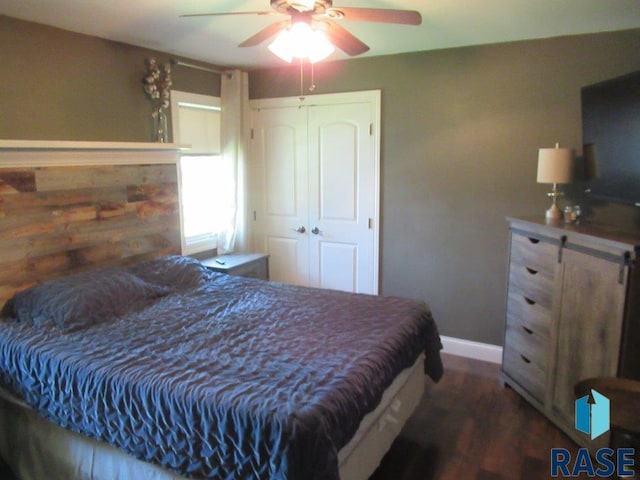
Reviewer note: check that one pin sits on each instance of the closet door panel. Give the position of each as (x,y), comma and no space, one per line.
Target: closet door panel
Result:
(341,197)
(281,198)
(338,172)
(280,167)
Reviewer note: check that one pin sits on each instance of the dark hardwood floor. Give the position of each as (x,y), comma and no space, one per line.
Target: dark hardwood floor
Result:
(469,427)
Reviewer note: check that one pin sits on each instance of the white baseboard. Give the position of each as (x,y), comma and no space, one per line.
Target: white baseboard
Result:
(471,349)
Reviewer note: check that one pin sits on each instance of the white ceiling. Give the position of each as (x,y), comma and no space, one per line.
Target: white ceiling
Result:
(155,24)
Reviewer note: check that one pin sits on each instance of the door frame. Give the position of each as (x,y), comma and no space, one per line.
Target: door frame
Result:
(373,98)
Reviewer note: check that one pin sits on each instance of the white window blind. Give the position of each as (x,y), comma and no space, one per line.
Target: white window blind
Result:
(200,127)
(196,122)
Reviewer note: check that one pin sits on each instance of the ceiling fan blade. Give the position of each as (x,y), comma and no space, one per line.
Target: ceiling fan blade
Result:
(381,15)
(225,14)
(342,39)
(264,34)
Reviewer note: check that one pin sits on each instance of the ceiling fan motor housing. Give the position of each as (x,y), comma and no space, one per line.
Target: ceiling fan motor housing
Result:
(289,6)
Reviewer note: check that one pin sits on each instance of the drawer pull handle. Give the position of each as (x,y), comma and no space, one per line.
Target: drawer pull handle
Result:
(531,271)
(533,240)
(529,301)
(528,330)
(526,360)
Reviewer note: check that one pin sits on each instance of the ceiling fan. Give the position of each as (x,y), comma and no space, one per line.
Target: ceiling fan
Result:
(320,16)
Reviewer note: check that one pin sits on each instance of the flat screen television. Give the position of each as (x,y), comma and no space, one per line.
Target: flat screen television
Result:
(611,138)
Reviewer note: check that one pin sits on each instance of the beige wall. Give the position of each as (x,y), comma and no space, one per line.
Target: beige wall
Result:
(59,85)
(461,129)
(460,134)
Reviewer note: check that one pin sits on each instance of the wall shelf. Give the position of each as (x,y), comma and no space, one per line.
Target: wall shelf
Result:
(55,153)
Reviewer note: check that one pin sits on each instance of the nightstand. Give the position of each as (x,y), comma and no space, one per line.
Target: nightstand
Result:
(253,265)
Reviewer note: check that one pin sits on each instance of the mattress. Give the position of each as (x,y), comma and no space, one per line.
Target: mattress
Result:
(35,448)
(208,375)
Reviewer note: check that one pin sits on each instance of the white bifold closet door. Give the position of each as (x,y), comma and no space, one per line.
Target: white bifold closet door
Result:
(315,189)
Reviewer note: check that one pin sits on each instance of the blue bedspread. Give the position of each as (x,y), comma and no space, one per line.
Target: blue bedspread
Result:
(228,378)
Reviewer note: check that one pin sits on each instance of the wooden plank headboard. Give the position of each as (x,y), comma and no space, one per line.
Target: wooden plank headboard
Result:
(70,206)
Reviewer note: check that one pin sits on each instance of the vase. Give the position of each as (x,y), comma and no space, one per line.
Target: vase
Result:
(160,130)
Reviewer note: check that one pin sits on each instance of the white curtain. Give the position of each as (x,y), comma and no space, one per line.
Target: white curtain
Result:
(234,102)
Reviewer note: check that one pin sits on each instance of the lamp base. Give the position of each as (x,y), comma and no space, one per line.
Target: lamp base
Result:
(553,213)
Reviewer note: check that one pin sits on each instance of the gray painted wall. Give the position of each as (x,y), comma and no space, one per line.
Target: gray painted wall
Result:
(59,85)
(461,129)
(460,136)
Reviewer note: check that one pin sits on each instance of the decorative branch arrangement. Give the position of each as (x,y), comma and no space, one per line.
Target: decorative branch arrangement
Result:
(157,85)
(157,82)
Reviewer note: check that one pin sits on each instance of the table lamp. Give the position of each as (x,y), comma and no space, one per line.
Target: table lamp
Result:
(555,165)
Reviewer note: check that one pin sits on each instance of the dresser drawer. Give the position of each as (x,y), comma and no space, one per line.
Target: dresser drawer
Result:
(535,285)
(526,312)
(530,345)
(536,254)
(523,370)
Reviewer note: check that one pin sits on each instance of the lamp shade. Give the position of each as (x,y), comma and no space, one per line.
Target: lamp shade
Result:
(555,165)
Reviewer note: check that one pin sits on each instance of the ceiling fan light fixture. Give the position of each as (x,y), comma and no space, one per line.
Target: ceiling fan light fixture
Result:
(301,41)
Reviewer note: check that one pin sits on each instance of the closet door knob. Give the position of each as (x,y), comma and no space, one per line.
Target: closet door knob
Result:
(316,231)
(300,229)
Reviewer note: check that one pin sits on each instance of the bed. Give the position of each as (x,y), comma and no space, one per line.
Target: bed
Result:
(109,386)
(167,370)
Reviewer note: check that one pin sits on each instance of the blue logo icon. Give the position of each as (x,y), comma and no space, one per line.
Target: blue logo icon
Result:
(592,414)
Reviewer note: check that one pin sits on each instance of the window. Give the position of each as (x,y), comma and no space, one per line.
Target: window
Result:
(205,197)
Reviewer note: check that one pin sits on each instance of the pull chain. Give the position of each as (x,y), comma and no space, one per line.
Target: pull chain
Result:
(301,78)
(312,87)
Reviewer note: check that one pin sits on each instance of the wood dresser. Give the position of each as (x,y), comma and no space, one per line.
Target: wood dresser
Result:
(573,312)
